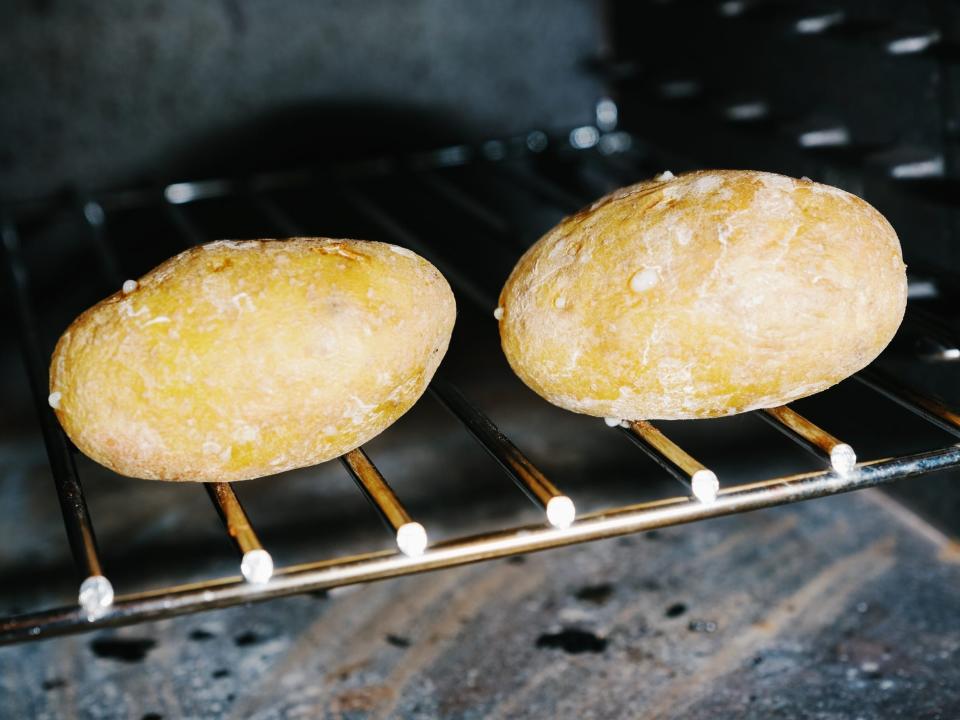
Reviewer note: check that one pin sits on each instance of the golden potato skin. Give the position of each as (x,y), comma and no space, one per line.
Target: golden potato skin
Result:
(238,359)
(706,294)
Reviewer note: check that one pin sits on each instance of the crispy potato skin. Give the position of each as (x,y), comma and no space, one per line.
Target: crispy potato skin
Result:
(238,359)
(707,294)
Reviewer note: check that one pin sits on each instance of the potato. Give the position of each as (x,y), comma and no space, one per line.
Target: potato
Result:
(702,295)
(234,360)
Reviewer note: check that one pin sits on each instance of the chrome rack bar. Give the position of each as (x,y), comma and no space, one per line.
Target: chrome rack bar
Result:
(96,591)
(181,193)
(624,172)
(942,340)
(453,194)
(275,215)
(506,234)
(362,203)
(930,409)
(95,219)
(546,189)
(694,476)
(411,536)
(559,508)
(178,218)
(167,602)
(256,564)
(811,438)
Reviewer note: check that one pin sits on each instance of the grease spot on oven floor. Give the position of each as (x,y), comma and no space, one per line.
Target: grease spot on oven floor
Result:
(398,640)
(53,684)
(596,594)
(247,638)
(573,641)
(675,610)
(129,650)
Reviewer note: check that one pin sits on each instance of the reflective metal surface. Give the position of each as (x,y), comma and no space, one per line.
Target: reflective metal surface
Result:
(378,566)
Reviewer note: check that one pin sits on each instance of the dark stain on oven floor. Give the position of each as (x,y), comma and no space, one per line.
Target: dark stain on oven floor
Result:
(675,610)
(128,650)
(573,641)
(398,640)
(247,638)
(596,594)
(201,635)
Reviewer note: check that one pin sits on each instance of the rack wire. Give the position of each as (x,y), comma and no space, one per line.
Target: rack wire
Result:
(704,495)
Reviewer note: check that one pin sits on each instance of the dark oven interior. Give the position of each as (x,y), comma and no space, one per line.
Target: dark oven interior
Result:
(464,131)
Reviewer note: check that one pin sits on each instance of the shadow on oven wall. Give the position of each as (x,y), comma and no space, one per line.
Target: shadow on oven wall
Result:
(317,135)
(105,94)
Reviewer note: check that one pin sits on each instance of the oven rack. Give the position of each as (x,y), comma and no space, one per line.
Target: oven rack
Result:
(703,498)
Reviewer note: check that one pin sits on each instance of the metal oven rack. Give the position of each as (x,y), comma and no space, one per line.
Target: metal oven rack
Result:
(704,496)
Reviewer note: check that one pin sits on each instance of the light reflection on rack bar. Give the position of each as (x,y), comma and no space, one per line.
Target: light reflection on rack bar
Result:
(96,592)
(928,408)
(187,229)
(95,217)
(559,508)
(699,480)
(385,564)
(840,456)
(411,536)
(256,564)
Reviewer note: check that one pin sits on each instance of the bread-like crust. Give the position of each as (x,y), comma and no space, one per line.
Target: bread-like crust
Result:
(707,294)
(235,360)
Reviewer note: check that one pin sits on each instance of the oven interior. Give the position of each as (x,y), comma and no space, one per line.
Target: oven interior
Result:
(860,98)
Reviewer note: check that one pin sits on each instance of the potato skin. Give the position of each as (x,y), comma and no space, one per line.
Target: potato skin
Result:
(238,359)
(706,294)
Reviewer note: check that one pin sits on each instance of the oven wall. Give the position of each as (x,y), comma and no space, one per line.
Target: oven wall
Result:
(110,92)
(861,95)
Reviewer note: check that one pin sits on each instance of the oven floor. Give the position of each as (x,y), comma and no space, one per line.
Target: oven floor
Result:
(836,608)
